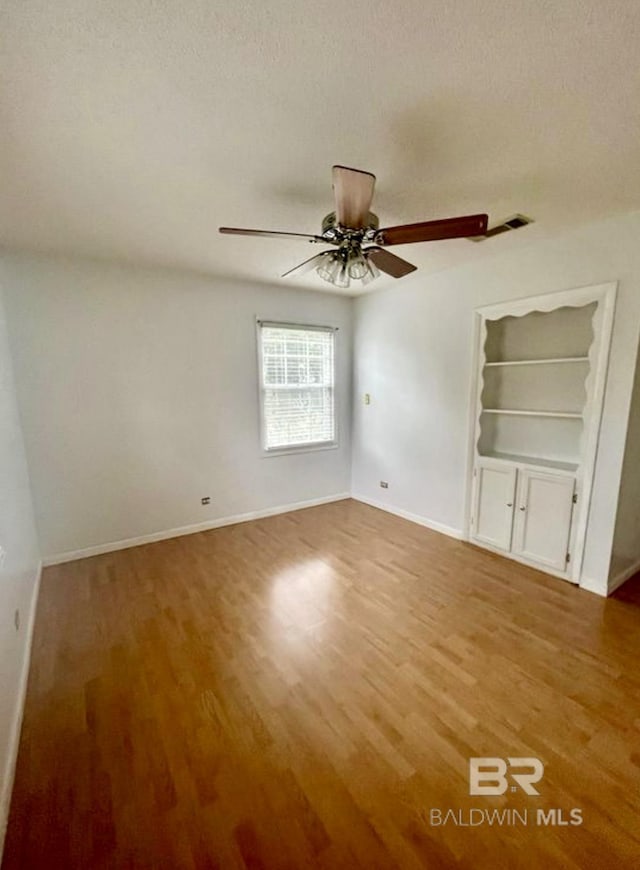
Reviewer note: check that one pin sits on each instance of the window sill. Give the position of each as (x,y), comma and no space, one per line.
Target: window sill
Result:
(303,448)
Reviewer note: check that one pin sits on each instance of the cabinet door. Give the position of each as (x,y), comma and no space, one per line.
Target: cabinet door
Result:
(542,525)
(493,508)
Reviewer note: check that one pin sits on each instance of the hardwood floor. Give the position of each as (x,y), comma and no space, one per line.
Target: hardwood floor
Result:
(302,691)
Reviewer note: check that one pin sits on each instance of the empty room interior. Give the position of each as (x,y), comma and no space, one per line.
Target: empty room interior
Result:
(319,435)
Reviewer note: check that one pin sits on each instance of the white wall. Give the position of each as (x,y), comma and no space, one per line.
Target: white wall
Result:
(138,394)
(138,389)
(626,542)
(413,354)
(18,574)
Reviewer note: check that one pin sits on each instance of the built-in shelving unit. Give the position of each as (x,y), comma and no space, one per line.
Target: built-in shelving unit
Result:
(534,393)
(537,402)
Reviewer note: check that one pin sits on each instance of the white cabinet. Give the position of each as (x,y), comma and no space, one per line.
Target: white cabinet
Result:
(495,492)
(542,522)
(524,511)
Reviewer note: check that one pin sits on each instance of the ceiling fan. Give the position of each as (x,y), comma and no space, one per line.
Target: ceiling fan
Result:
(360,245)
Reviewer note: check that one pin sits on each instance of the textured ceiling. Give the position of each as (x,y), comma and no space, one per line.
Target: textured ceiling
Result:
(131,129)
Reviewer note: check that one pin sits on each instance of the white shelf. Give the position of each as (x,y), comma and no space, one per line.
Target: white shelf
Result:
(533,387)
(539,362)
(568,415)
(539,461)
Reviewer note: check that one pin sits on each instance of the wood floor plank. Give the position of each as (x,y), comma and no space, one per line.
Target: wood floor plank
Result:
(303,690)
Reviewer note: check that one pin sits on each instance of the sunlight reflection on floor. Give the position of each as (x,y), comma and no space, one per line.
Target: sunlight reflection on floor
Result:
(302,599)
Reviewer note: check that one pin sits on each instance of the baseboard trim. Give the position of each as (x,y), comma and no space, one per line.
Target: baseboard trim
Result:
(591,585)
(623,576)
(16,728)
(86,552)
(413,518)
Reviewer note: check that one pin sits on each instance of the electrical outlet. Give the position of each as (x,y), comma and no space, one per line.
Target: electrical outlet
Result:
(384,484)
(205,500)
(16,620)
(367,398)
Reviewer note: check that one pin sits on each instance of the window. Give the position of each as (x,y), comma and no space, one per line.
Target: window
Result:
(297,386)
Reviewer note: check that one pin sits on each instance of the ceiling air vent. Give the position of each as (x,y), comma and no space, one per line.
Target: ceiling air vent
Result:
(513,223)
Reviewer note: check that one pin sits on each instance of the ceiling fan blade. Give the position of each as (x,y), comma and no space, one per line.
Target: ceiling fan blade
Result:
(238,231)
(353,192)
(432,231)
(389,263)
(308,265)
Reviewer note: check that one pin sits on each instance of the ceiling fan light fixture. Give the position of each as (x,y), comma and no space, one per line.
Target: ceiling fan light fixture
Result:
(329,269)
(372,271)
(342,278)
(341,267)
(352,226)
(358,266)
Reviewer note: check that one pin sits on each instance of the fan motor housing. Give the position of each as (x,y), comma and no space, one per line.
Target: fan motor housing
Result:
(329,222)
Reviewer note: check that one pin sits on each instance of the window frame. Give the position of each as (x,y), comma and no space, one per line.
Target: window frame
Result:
(310,446)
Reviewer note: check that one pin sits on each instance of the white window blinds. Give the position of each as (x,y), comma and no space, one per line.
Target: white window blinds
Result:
(297,389)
